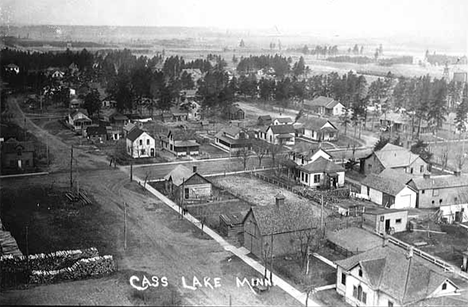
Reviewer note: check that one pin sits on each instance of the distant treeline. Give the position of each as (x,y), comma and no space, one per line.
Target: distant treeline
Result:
(394,61)
(351,59)
(13,42)
(441,59)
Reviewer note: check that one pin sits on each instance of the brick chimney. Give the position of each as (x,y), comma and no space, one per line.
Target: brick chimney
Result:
(194,168)
(279,200)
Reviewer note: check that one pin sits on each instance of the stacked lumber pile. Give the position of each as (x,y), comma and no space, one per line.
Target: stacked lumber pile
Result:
(8,245)
(78,197)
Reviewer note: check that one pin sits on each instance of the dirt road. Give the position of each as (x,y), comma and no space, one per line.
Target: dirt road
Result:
(158,244)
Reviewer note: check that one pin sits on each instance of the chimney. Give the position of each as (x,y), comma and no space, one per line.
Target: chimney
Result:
(409,254)
(457,172)
(279,200)
(427,175)
(194,168)
(384,240)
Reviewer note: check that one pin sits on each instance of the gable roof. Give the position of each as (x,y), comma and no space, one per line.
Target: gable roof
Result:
(383,184)
(77,111)
(440,182)
(388,269)
(315,123)
(12,145)
(321,165)
(322,101)
(129,126)
(281,129)
(264,117)
(287,217)
(234,109)
(395,156)
(284,120)
(179,174)
(307,149)
(134,134)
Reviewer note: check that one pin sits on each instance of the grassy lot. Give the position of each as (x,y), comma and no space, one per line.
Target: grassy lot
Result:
(455,152)
(446,246)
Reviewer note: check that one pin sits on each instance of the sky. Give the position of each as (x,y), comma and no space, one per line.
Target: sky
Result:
(340,17)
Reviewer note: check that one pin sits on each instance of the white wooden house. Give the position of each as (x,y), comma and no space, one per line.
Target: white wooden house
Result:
(140,144)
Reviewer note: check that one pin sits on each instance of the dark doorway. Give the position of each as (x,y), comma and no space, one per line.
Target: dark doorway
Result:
(387,225)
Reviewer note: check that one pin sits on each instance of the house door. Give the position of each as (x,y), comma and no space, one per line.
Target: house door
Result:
(19,164)
(387,225)
(458,216)
(152,152)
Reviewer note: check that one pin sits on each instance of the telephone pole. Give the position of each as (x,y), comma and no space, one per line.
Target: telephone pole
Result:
(71,168)
(125,226)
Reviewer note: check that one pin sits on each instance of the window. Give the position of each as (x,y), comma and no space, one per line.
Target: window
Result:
(411,170)
(444,286)
(432,202)
(369,166)
(355,291)
(307,178)
(317,178)
(141,142)
(302,161)
(390,304)
(435,192)
(360,272)
(143,151)
(343,279)
(440,201)
(331,135)
(186,193)
(421,169)
(302,176)
(364,297)
(27,162)
(147,142)
(398,221)
(359,292)
(422,192)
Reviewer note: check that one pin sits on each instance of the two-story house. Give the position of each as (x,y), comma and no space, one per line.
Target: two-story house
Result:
(394,157)
(140,144)
(232,139)
(321,173)
(281,135)
(317,129)
(390,276)
(17,155)
(436,191)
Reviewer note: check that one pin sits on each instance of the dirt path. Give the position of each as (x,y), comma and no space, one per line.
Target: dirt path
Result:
(59,150)
(158,242)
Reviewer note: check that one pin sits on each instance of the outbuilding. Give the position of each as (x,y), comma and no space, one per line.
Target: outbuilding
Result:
(385,220)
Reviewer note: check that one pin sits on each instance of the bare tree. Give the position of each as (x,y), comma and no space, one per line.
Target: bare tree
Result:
(445,157)
(148,174)
(274,150)
(243,154)
(260,149)
(460,160)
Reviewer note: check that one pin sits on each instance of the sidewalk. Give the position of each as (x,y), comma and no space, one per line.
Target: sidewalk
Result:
(239,252)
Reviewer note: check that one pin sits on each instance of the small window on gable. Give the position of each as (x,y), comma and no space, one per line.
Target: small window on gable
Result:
(421,169)
(444,286)
(147,142)
(398,221)
(360,272)
(411,170)
(390,304)
(141,142)
(422,192)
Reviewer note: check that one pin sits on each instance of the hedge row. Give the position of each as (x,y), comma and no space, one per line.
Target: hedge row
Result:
(83,268)
(50,261)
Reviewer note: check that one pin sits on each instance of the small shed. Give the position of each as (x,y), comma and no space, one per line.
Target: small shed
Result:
(230,224)
(386,220)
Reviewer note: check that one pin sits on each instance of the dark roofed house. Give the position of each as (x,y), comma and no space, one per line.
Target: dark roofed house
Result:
(391,276)
(280,222)
(388,192)
(264,120)
(180,142)
(281,135)
(324,106)
(96,134)
(232,139)
(17,156)
(230,224)
(179,115)
(235,113)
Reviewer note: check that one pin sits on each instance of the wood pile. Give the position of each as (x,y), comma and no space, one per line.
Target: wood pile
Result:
(78,197)
(8,245)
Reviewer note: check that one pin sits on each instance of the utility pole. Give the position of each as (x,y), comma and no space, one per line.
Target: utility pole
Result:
(47,152)
(71,168)
(131,170)
(125,226)
(321,215)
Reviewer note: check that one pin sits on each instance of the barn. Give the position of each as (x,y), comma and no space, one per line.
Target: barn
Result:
(187,186)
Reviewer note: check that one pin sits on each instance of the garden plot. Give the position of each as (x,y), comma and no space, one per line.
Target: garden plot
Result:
(257,191)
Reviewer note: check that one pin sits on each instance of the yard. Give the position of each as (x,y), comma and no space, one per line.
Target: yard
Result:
(447,246)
